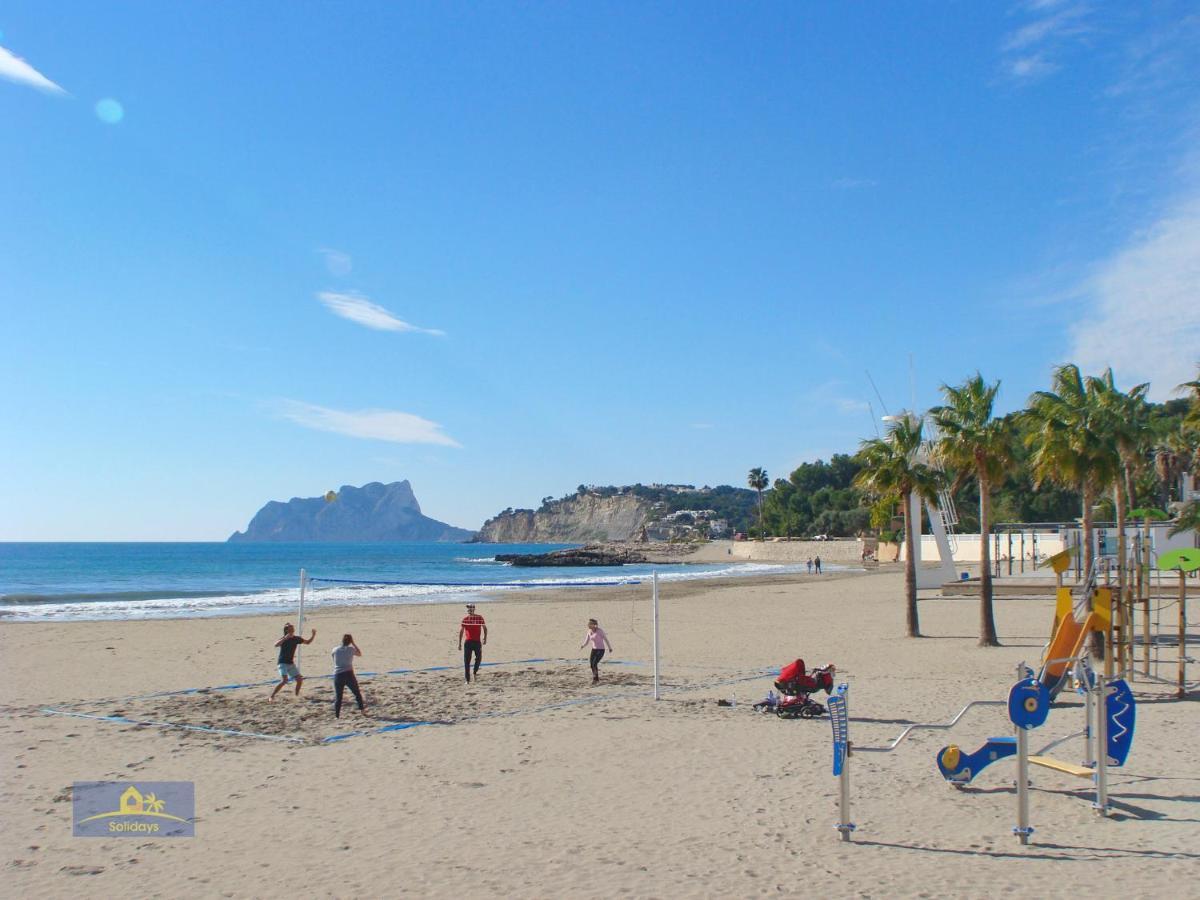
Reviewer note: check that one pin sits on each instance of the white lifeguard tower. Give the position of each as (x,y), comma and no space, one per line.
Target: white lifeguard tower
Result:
(942,516)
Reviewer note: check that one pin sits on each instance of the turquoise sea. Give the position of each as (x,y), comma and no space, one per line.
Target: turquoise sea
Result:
(46,581)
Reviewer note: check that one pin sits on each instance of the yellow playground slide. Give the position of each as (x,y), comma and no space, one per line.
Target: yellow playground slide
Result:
(1071,635)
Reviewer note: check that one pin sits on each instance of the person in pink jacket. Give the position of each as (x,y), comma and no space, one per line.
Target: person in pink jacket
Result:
(597,640)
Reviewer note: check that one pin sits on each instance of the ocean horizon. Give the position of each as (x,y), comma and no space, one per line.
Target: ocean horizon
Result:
(98,581)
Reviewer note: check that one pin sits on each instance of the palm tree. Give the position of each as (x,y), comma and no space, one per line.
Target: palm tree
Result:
(1192,417)
(1128,417)
(1188,518)
(758,480)
(1072,443)
(976,444)
(893,467)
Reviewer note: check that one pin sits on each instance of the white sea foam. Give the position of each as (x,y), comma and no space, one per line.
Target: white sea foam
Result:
(322,594)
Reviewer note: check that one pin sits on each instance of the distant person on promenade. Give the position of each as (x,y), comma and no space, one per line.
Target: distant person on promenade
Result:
(343,675)
(817,564)
(597,640)
(809,565)
(474,629)
(287,658)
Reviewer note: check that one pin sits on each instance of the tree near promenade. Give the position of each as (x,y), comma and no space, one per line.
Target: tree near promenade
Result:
(1072,444)
(757,479)
(894,467)
(1128,427)
(976,444)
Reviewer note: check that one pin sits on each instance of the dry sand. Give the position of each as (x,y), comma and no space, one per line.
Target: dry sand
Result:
(534,783)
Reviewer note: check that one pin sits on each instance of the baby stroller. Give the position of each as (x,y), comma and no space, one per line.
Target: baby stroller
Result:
(795,685)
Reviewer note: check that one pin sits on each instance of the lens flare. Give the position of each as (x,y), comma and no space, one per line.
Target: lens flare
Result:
(109,111)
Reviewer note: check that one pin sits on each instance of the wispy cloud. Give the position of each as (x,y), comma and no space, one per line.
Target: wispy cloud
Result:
(15,69)
(337,262)
(702,426)
(851,184)
(360,309)
(1140,313)
(373,424)
(1029,52)
(848,405)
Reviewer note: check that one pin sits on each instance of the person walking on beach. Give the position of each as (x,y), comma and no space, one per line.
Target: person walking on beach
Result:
(810,565)
(475,630)
(597,640)
(343,675)
(817,565)
(287,658)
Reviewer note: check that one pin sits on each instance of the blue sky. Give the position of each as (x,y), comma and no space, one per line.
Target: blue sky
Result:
(256,251)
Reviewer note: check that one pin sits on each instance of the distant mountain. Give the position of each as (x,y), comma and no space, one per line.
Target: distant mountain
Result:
(373,513)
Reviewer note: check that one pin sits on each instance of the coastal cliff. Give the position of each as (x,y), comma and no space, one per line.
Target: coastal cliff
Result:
(373,513)
(572,520)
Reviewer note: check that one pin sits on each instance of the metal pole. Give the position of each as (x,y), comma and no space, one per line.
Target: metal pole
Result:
(844,796)
(1023,830)
(656,643)
(1181,690)
(1145,571)
(1089,705)
(300,610)
(1101,745)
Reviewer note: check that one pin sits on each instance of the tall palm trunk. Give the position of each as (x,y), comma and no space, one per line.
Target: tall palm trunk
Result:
(910,569)
(761,529)
(987,621)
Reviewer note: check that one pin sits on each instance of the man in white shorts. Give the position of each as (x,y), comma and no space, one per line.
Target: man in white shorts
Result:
(287,658)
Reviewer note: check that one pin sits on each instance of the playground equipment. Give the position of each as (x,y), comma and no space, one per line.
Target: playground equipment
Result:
(1184,562)
(839,715)
(1110,714)
(1108,735)
(1072,625)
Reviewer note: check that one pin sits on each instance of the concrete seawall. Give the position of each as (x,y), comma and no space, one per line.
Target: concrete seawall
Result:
(836,551)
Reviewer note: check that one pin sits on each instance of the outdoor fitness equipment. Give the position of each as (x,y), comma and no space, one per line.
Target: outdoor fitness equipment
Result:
(1110,708)
(1108,736)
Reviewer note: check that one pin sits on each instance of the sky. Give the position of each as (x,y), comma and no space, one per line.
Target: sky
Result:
(259,251)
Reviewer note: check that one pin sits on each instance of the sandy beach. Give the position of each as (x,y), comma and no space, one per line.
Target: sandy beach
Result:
(533,783)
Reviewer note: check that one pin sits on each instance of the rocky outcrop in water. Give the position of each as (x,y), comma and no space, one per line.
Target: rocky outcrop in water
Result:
(373,513)
(580,556)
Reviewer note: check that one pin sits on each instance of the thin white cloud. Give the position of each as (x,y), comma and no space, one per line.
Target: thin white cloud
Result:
(850,184)
(848,405)
(702,426)
(1027,53)
(1140,312)
(372,424)
(1030,68)
(337,262)
(15,69)
(360,309)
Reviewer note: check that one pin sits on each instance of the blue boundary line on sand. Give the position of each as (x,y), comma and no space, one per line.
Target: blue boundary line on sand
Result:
(251,684)
(580,701)
(395,726)
(124,720)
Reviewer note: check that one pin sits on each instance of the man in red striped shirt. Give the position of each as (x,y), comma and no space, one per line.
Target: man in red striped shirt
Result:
(475,630)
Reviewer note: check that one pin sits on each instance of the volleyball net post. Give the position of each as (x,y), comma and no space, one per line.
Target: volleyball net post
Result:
(300,609)
(654,615)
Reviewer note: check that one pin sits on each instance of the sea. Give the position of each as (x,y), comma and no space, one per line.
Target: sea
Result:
(114,581)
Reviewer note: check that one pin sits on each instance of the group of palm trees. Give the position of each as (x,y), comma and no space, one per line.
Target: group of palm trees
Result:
(1084,434)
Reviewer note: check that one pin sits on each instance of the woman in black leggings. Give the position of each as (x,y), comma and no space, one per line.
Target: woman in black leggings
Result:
(343,675)
(597,640)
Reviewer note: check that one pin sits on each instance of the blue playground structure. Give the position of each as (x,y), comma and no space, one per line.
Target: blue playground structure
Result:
(1110,710)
